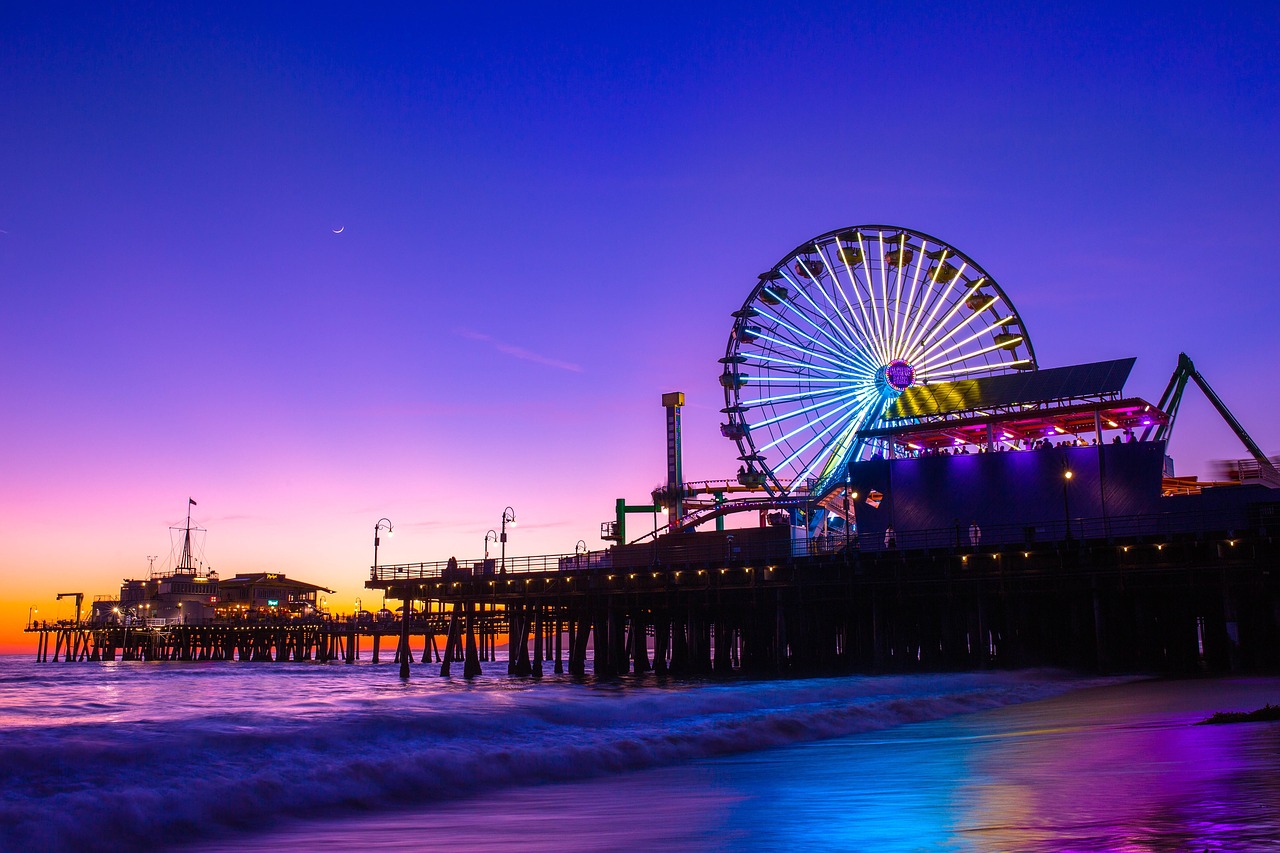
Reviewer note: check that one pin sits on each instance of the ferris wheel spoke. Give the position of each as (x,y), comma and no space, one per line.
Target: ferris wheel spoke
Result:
(785,416)
(812,441)
(835,279)
(934,301)
(874,339)
(842,362)
(760,402)
(865,323)
(809,424)
(788,338)
(802,373)
(963,357)
(817,284)
(833,344)
(900,348)
(897,292)
(871,292)
(952,333)
(969,371)
(778,380)
(931,328)
(842,355)
(884,288)
(842,370)
(844,444)
(830,324)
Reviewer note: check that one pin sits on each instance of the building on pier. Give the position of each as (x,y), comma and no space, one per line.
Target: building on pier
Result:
(269,593)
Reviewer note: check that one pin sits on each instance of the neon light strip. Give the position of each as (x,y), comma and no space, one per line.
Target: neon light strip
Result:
(806,425)
(760,402)
(854,417)
(898,350)
(834,307)
(985,369)
(830,323)
(843,371)
(969,339)
(861,392)
(841,447)
(802,448)
(927,330)
(866,327)
(840,353)
(955,330)
(861,333)
(884,290)
(876,337)
(799,309)
(932,328)
(841,359)
(897,295)
(968,356)
(925,301)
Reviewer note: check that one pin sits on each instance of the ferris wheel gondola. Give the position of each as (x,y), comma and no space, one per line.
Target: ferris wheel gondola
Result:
(837,330)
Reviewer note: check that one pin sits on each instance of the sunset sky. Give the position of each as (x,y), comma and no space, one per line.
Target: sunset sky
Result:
(547,218)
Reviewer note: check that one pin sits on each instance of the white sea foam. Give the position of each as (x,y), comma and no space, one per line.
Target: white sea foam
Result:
(154,756)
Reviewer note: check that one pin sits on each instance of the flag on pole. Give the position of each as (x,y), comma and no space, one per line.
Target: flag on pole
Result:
(192,501)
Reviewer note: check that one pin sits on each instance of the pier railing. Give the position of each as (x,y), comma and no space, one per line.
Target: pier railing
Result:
(1227,525)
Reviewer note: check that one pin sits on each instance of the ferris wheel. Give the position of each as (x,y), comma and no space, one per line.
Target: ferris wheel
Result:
(837,330)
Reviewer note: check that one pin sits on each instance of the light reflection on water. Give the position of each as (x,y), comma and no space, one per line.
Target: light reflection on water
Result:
(1118,768)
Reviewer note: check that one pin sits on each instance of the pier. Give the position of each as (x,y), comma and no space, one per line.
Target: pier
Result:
(1176,595)
(315,639)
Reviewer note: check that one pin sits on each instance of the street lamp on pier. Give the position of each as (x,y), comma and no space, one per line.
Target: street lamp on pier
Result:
(1066,503)
(508,517)
(489,536)
(383,524)
(31,611)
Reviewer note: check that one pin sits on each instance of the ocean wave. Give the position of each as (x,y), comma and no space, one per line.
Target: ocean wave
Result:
(105,786)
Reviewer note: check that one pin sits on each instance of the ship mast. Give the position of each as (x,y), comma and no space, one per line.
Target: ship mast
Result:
(186,542)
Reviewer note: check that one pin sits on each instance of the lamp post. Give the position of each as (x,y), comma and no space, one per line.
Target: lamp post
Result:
(847,517)
(383,524)
(1066,504)
(579,551)
(31,611)
(508,517)
(490,536)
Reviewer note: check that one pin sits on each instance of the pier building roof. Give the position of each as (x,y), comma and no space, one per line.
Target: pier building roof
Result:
(1052,403)
(1100,380)
(275,580)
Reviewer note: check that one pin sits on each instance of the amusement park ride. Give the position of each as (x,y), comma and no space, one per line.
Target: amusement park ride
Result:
(880,342)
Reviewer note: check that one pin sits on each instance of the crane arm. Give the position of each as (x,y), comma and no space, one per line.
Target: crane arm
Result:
(78,596)
(1254,450)
(1172,399)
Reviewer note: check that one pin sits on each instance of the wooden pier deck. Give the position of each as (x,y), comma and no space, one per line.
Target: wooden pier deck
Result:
(1175,603)
(302,640)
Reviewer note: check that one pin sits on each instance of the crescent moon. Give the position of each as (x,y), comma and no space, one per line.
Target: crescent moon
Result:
(339,229)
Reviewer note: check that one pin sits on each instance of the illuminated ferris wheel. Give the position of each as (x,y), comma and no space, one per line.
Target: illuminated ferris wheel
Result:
(837,330)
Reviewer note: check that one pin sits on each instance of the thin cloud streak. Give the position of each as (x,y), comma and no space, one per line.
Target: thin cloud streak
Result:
(519,352)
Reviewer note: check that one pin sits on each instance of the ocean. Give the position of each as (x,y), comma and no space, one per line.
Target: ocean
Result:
(229,756)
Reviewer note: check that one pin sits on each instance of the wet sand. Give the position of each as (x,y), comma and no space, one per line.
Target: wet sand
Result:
(1114,768)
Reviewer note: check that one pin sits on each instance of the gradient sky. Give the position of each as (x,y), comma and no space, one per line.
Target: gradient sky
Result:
(549,216)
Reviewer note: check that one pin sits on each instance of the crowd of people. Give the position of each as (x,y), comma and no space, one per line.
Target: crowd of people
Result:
(1012,446)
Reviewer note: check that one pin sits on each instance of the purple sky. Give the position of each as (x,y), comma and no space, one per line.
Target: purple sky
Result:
(548,218)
